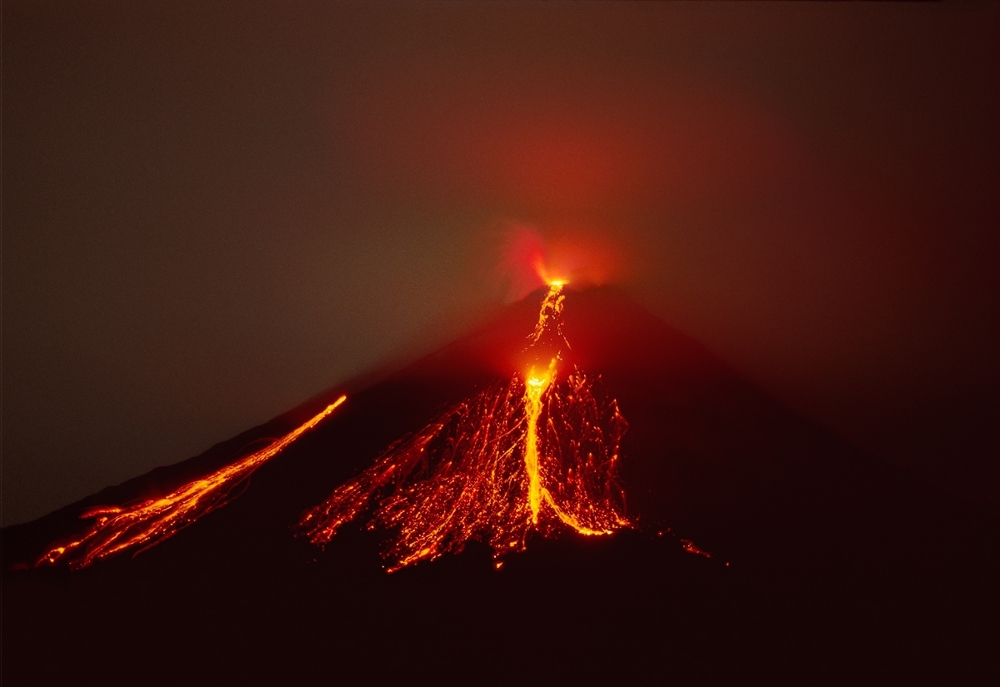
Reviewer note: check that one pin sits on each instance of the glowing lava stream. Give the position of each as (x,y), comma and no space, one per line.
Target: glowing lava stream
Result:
(147,523)
(533,390)
(532,455)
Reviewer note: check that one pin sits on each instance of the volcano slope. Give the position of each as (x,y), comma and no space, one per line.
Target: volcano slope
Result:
(827,565)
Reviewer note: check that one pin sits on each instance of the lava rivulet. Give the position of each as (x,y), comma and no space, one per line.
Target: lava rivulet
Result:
(535,454)
(146,523)
(550,319)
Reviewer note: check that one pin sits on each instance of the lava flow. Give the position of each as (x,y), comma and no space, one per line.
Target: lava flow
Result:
(537,453)
(147,523)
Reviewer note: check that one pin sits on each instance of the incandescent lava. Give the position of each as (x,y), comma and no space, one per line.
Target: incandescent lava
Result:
(536,454)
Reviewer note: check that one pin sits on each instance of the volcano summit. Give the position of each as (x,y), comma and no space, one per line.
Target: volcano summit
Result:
(841,568)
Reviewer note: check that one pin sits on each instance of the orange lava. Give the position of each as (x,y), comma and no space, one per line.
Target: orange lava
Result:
(550,319)
(147,523)
(536,454)
(690,547)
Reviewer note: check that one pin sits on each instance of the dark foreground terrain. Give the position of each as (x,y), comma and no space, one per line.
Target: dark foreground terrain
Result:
(841,569)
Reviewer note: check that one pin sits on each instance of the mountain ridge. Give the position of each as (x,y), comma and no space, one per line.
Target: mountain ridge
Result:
(827,565)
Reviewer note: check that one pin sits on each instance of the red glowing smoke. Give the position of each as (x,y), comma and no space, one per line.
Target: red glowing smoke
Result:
(529,259)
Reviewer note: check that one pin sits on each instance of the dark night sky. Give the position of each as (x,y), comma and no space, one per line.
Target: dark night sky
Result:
(212,211)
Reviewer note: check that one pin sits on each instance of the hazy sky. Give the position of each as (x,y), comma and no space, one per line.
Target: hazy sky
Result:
(213,210)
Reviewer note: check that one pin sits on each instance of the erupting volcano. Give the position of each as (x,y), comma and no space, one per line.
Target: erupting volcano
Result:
(536,454)
(826,544)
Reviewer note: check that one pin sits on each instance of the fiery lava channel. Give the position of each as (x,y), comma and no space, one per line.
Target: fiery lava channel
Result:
(147,523)
(538,453)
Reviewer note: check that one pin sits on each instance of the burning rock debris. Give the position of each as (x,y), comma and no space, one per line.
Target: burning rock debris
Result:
(536,454)
(146,523)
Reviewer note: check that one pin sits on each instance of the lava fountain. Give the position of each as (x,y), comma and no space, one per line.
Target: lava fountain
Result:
(538,453)
(147,523)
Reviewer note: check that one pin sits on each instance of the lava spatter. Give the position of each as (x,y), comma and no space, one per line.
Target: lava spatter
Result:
(536,454)
(147,523)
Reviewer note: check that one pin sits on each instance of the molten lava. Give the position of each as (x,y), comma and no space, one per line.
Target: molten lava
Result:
(535,454)
(147,523)
(535,386)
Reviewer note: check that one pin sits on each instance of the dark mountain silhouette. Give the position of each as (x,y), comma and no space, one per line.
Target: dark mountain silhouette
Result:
(841,569)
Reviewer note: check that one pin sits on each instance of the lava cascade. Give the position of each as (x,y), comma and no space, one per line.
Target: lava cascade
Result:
(146,523)
(538,453)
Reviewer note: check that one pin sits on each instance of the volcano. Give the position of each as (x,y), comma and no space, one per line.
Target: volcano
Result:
(819,564)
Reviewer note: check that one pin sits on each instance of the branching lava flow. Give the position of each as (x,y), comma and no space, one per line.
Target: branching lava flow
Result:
(149,522)
(535,454)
